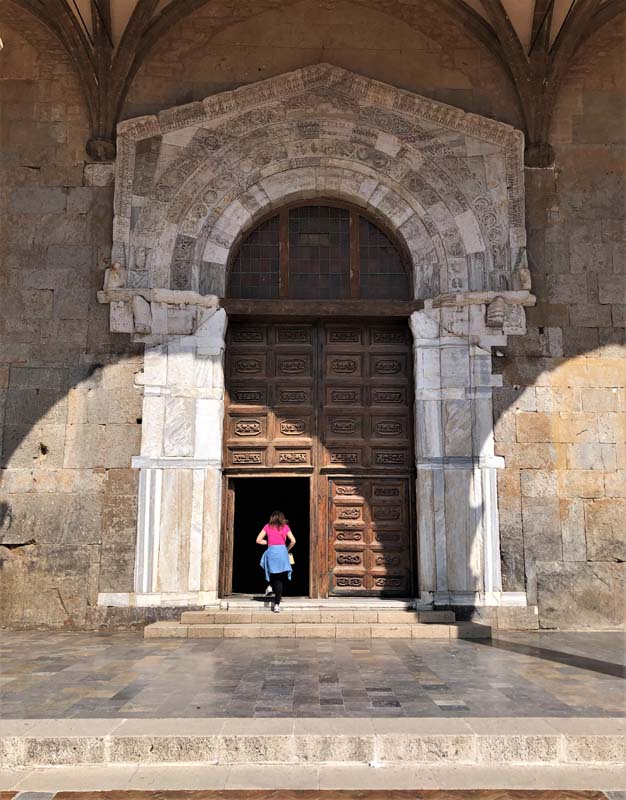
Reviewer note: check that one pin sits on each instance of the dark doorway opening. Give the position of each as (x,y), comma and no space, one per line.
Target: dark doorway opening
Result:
(255,499)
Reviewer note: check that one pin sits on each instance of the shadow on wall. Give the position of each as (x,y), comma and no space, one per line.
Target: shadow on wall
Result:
(570,547)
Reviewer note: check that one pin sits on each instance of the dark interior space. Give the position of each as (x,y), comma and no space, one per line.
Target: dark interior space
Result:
(255,499)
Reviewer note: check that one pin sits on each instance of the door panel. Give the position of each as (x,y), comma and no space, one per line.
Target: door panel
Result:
(370,543)
(333,400)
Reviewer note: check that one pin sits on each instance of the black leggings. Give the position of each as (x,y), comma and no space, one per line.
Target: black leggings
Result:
(276,579)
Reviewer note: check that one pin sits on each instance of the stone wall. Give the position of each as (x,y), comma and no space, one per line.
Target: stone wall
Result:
(561,416)
(68,403)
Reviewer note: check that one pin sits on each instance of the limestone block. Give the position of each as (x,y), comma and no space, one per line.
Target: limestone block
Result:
(38,200)
(606,530)
(596,748)
(577,427)
(534,427)
(572,513)
(579,595)
(542,528)
(599,400)
(161,631)
(121,317)
(421,748)
(612,427)
(352,631)
(430,631)
(99,174)
(615,483)
(592,456)
(327,616)
(307,631)
(163,749)
(397,617)
(196,631)
(180,321)
(333,748)
(33,445)
(392,631)
(581,483)
(521,749)
(360,617)
(259,749)
(538,483)
(517,618)
(62,750)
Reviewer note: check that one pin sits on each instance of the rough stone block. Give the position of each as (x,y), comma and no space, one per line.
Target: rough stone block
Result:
(260,749)
(37,200)
(60,750)
(319,749)
(517,618)
(422,749)
(352,631)
(392,631)
(360,617)
(534,427)
(538,483)
(163,749)
(573,530)
(577,428)
(595,749)
(159,630)
(615,483)
(517,749)
(398,617)
(581,595)
(430,631)
(70,257)
(581,483)
(606,530)
(542,529)
(592,456)
(336,616)
(197,631)
(307,631)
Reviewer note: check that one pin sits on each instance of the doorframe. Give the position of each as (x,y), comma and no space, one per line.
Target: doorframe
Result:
(227,540)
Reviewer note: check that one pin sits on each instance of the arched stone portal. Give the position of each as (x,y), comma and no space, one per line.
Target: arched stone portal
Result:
(449,185)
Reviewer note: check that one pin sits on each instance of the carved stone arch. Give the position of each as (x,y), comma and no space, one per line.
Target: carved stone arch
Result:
(450,188)
(450,184)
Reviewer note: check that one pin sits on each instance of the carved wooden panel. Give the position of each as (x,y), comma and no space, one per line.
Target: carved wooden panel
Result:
(365,419)
(271,390)
(370,536)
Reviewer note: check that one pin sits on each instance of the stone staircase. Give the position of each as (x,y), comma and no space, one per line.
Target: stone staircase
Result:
(312,623)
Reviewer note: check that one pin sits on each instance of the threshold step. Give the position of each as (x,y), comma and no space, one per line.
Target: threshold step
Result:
(276,627)
(326,616)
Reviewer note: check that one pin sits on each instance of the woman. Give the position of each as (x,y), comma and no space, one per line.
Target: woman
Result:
(276,561)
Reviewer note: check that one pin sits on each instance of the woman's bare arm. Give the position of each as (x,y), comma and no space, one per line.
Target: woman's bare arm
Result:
(262,538)
(292,539)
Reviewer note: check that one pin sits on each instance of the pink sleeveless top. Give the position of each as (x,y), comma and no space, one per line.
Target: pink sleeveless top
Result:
(276,535)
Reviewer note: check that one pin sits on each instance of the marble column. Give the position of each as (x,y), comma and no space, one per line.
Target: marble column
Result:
(458,532)
(179,515)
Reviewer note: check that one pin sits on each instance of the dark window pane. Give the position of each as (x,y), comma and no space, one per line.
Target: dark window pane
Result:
(319,253)
(383,276)
(255,271)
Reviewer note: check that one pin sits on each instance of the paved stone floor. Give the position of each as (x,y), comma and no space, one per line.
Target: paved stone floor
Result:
(282,794)
(56,675)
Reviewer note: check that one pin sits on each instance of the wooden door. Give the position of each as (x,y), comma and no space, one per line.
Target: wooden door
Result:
(333,400)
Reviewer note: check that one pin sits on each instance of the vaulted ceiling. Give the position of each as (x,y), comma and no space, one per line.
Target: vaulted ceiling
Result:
(535,40)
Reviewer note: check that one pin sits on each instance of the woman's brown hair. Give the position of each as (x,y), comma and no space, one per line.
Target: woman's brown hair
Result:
(277,518)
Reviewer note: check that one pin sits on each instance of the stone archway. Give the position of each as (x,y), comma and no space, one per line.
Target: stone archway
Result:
(449,185)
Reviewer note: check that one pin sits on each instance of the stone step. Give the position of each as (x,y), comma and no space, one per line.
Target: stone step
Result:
(275,626)
(376,741)
(322,615)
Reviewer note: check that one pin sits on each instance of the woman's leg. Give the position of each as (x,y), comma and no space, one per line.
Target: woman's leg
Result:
(276,579)
(277,586)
